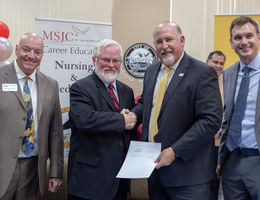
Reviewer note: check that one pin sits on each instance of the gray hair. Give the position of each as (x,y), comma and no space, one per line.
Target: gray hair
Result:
(105,43)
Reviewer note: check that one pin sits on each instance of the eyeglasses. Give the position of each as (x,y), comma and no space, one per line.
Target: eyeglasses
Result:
(108,60)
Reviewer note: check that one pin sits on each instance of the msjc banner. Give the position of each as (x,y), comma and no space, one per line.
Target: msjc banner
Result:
(68,50)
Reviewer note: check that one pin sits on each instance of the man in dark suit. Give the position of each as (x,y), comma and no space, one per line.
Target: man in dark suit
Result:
(186,121)
(239,158)
(99,140)
(31,125)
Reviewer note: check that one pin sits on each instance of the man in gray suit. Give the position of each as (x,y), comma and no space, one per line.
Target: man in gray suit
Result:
(239,158)
(31,126)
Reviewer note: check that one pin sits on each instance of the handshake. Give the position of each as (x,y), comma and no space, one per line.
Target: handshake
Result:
(130,119)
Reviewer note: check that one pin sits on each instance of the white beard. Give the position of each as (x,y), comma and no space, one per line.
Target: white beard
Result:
(105,78)
(168,61)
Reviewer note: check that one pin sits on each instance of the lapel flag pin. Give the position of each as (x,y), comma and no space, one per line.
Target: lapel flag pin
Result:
(181,74)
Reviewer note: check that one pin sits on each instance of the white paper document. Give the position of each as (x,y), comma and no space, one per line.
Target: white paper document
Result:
(139,161)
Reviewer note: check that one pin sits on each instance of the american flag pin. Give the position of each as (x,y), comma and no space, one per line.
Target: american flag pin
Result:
(181,74)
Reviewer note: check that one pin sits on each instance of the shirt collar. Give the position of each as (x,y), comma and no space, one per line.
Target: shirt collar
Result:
(114,84)
(254,64)
(21,74)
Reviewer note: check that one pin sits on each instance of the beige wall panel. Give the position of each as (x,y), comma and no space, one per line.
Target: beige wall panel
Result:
(196,19)
(192,21)
(134,22)
(249,6)
(20,15)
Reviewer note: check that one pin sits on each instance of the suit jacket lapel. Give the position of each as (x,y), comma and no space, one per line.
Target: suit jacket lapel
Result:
(40,94)
(151,86)
(230,89)
(120,91)
(175,81)
(104,92)
(11,77)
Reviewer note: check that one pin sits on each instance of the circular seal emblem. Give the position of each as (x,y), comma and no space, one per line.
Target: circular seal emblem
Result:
(138,57)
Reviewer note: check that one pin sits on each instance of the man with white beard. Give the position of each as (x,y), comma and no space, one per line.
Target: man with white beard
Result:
(99,138)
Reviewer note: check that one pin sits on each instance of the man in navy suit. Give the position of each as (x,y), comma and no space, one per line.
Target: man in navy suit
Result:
(189,116)
(99,140)
(239,148)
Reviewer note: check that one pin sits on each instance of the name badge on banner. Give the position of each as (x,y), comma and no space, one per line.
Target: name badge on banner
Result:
(9,87)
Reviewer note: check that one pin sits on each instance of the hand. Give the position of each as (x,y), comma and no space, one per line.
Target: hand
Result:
(166,157)
(130,119)
(54,184)
(218,171)
(217,136)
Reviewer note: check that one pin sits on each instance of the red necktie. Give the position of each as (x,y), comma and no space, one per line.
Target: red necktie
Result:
(110,87)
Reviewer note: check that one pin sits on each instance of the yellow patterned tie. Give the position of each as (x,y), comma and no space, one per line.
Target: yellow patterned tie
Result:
(28,140)
(158,102)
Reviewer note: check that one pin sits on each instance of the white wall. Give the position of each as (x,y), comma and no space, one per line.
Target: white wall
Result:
(20,15)
(196,18)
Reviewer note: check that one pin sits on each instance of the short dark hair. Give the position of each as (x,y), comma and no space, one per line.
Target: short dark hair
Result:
(220,53)
(241,20)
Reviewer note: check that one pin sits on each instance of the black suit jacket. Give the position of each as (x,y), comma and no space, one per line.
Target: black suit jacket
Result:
(190,115)
(97,138)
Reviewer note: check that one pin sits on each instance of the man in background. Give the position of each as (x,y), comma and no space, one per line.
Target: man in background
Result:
(216,59)
(180,107)
(31,125)
(99,140)
(239,158)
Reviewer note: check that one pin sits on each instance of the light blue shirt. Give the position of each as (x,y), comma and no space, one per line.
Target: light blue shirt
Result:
(248,139)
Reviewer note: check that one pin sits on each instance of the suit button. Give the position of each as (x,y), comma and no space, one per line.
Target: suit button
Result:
(24,118)
(15,157)
(20,137)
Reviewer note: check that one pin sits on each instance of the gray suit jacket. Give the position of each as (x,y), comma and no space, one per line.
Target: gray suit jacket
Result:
(229,87)
(13,120)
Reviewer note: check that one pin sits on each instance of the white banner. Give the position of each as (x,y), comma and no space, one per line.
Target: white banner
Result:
(68,47)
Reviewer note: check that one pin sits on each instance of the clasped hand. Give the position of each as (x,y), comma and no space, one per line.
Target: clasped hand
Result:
(130,119)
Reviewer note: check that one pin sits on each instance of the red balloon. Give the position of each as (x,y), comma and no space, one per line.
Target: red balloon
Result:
(4,30)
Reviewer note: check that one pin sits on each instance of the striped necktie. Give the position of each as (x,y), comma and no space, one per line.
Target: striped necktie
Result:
(28,140)
(110,87)
(158,102)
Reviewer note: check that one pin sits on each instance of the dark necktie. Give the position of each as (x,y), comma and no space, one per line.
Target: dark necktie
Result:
(234,133)
(110,87)
(28,140)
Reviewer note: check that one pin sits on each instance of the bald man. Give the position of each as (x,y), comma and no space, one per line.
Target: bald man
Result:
(31,125)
